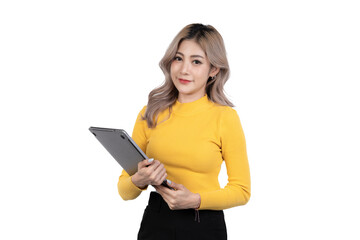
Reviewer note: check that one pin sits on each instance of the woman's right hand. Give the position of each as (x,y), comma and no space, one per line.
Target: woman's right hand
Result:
(150,172)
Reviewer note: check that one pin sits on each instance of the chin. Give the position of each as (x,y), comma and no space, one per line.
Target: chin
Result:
(184,92)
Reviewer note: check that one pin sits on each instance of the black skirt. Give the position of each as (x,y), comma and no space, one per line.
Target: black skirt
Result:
(161,223)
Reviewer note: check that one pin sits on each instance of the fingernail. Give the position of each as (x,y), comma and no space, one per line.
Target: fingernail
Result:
(150,160)
(168,181)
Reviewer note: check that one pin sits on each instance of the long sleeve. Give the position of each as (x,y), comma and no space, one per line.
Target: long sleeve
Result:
(192,142)
(126,187)
(233,150)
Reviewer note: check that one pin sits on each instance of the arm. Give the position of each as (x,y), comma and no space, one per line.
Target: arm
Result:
(237,191)
(126,187)
(233,147)
(149,172)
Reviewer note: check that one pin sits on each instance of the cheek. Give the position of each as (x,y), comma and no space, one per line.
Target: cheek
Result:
(203,75)
(173,71)
(174,67)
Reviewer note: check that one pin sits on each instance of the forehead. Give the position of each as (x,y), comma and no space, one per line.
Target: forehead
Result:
(190,47)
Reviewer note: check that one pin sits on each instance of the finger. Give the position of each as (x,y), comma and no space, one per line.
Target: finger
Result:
(145,163)
(159,176)
(175,185)
(149,162)
(160,189)
(151,165)
(156,165)
(167,195)
(158,169)
(163,178)
(169,192)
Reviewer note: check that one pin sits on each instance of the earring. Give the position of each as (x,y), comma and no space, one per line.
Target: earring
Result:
(212,78)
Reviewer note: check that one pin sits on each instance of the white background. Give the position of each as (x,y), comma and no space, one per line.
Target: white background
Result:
(67,65)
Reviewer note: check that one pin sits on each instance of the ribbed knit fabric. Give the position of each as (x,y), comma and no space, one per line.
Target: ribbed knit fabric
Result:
(192,143)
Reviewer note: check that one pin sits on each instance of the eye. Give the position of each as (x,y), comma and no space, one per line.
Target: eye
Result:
(197,62)
(177,58)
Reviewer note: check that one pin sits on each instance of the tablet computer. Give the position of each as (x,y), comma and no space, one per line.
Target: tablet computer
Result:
(121,146)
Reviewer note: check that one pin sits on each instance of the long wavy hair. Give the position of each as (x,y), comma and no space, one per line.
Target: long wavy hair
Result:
(164,96)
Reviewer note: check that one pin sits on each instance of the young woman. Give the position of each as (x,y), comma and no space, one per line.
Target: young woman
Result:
(190,128)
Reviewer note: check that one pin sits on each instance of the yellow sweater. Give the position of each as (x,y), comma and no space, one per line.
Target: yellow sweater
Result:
(192,143)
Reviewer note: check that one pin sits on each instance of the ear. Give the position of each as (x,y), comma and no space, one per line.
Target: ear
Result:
(214,71)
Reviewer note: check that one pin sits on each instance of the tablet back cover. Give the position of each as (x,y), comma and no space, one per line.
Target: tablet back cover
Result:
(120,145)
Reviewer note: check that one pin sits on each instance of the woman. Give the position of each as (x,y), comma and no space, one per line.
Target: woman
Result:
(189,127)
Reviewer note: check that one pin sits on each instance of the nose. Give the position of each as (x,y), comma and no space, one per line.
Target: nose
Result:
(184,68)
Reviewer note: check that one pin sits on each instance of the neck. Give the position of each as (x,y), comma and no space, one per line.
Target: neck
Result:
(191,108)
(182,98)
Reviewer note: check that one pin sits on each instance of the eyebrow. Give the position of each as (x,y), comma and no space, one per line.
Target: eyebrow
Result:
(192,56)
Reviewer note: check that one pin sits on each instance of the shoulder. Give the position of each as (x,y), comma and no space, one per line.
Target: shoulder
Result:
(225,111)
(141,115)
(228,118)
(142,111)
(162,116)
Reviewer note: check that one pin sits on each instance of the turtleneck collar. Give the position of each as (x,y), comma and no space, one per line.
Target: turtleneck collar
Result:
(192,107)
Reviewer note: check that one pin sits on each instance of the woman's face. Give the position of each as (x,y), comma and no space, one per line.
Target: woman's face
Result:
(190,71)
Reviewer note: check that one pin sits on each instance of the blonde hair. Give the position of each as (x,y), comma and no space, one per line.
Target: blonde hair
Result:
(210,40)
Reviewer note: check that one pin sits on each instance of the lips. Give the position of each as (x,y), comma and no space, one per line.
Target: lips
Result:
(184,81)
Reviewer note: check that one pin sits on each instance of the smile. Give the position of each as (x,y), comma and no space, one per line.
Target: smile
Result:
(184,81)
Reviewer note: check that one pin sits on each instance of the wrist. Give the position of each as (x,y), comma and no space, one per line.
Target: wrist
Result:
(135,180)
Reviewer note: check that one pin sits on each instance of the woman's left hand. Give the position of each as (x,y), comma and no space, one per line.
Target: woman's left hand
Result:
(180,198)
